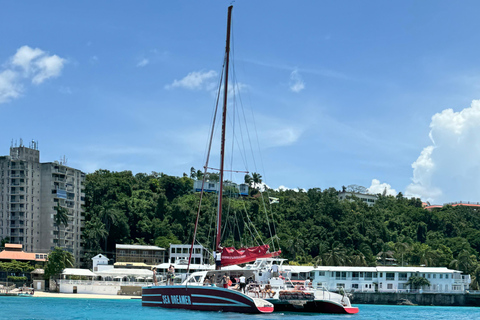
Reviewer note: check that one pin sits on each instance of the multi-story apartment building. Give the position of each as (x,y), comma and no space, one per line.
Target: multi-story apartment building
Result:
(29,193)
(134,253)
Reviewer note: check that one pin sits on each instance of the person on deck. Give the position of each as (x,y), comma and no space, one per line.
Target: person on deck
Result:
(243,283)
(274,270)
(268,290)
(154,276)
(170,275)
(224,281)
(218,259)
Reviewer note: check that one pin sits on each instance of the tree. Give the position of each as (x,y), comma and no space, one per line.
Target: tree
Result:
(4,240)
(257,179)
(58,260)
(94,232)
(61,217)
(400,249)
(416,282)
(336,256)
(248,180)
(465,262)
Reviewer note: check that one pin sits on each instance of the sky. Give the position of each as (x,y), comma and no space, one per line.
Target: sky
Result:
(381,94)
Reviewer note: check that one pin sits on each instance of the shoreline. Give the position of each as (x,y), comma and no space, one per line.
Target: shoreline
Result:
(41,294)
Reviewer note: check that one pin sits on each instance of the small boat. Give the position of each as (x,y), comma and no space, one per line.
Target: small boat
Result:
(192,294)
(25,294)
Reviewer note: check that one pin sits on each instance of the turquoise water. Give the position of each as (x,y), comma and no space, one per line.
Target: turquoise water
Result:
(69,309)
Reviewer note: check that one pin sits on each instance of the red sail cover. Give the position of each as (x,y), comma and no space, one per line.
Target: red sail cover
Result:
(232,256)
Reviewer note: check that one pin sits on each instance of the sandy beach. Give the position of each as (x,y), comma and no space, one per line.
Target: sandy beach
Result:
(39,294)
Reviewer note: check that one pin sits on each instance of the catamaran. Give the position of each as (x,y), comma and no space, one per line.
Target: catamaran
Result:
(192,294)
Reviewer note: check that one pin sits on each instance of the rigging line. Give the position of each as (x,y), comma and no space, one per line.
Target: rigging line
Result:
(268,221)
(205,173)
(251,234)
(263,169)
(250,221)
(238,227)
(236,89)
(264,172)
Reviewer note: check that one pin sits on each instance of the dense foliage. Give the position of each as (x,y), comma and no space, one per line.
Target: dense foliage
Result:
(58,260)
(310,226)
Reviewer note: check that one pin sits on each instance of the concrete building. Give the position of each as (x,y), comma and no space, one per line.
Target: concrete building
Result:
(365,197)
(29,193)
(131,255)
(214,187)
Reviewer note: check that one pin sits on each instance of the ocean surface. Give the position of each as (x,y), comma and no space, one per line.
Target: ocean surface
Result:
(66,309)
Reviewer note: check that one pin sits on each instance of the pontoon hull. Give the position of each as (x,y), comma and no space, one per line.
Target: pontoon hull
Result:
(316,306)
(203,299)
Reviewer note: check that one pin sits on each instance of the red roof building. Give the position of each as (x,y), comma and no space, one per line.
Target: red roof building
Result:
(453,204)
(15,252)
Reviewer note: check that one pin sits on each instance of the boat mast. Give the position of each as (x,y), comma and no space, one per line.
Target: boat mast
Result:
(224,122)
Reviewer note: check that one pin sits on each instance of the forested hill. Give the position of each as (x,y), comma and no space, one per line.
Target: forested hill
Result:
(312,226)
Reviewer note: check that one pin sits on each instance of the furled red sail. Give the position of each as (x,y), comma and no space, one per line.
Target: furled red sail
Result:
(232,256)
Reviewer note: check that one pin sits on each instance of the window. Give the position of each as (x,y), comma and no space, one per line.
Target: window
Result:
(390,276)
(389,286)
(368,276)
(340,285)
(440,276)
(402,276)
(355,275)
(340,275)
(321,273)
(354,285)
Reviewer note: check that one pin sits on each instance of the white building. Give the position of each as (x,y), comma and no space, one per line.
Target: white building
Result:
(179,252)
(29,193)
(214,186)
(365,197)
(378,279)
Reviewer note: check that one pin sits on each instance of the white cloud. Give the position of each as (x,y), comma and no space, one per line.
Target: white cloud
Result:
(296,82)
(24,57)
(194,81)
(143,62)
(378,187)
(9,86)
(37,64)
(47,67)
(276,132)
(283,188)
(449,170)
(27,64)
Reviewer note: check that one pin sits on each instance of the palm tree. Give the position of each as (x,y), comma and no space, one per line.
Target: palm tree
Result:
(401,248)
(475,285)
(465,262)
(336,256)
(108,215)
(248,180)
(416,282)
(257,179)
(61,217)
(94,232)
(294,247)
(358,260)
(322,249)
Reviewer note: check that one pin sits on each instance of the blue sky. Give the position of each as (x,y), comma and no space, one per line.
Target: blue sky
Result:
(343,92)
